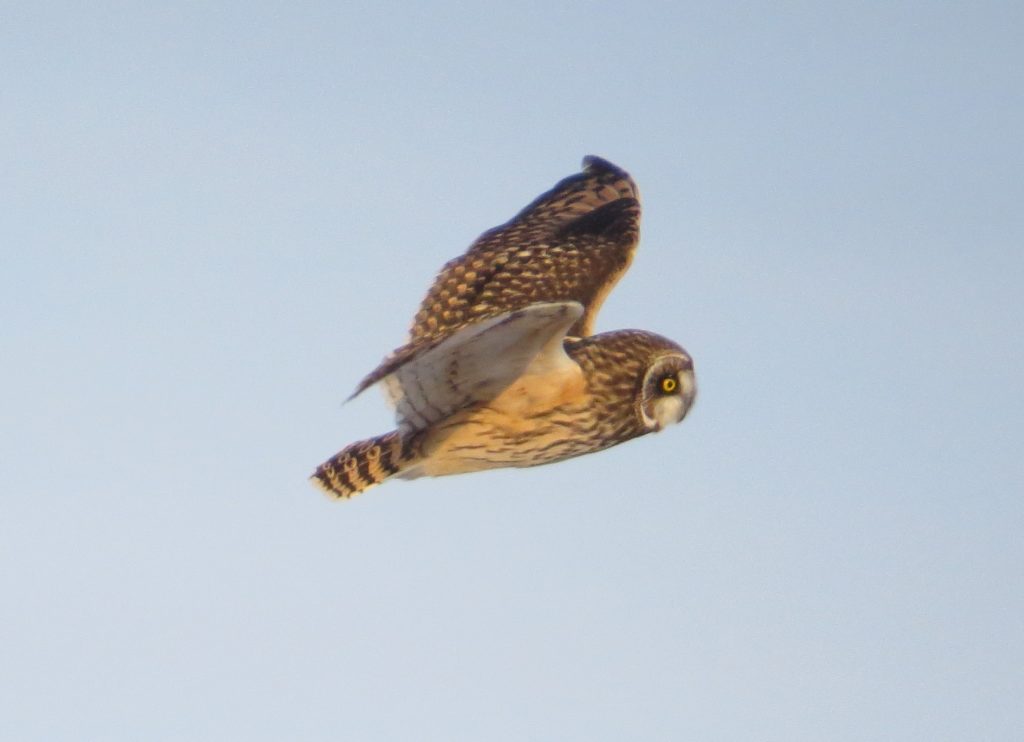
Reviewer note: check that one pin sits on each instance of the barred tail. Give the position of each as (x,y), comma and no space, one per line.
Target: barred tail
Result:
(362,465)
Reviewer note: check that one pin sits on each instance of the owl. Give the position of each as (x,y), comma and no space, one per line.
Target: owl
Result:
(502,369)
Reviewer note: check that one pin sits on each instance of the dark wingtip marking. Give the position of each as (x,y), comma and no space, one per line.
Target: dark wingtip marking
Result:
(613,219)
(593,163)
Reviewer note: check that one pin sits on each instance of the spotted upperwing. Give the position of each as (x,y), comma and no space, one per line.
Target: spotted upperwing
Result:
(572,243)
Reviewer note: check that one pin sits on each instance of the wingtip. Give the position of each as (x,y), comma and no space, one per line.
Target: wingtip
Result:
(593,163)
(367,381)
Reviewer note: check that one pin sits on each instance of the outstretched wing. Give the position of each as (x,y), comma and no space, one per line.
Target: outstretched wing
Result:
(475,363)
(571,244)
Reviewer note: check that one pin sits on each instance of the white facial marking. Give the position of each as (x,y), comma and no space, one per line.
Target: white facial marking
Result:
(687,385)
(668,410)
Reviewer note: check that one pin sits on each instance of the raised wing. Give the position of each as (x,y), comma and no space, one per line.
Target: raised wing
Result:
(600,183)
(477,362)
(572,243)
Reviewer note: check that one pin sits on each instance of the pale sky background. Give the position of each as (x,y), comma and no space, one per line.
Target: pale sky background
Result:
(217,218)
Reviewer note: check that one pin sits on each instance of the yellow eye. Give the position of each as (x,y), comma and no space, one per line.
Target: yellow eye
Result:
(669,385)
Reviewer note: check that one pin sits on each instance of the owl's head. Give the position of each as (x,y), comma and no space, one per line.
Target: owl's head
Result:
(668,390)
(642,382)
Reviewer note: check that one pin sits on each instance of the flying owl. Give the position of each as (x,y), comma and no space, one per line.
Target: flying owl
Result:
(501,367)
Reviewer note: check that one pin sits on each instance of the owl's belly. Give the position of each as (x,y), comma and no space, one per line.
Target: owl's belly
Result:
(537,420)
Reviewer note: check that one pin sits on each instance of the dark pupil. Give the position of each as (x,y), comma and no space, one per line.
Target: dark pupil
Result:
(668,384)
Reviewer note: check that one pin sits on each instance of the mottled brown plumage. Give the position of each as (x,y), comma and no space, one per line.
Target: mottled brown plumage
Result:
(501,368)
(572,243)
(533,423)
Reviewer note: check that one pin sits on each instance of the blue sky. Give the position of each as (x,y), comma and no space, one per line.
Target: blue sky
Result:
(218,218)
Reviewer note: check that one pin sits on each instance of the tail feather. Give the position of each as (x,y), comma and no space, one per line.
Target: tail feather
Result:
(362,465)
